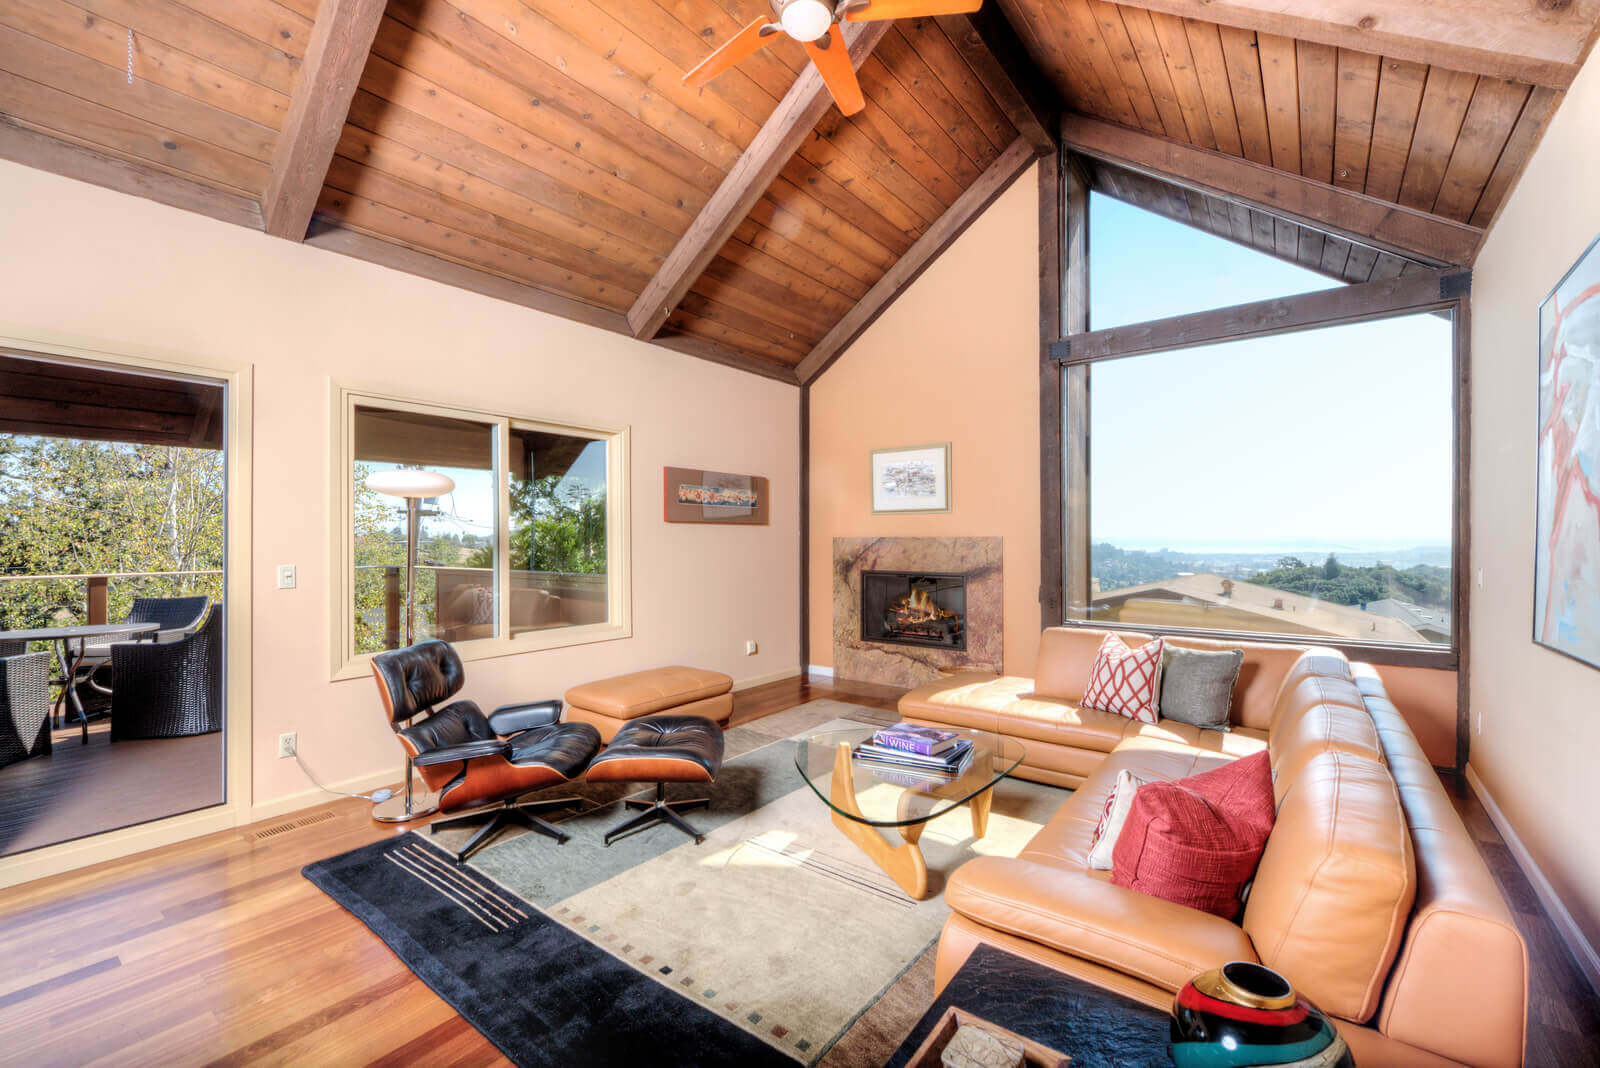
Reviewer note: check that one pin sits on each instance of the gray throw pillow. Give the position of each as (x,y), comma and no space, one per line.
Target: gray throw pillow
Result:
(1197,685)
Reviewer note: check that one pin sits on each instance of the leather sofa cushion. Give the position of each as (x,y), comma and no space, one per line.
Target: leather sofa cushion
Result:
(1008,706)
(1330,900)
(1067,653)
(1314,729)
(1460,983)
(1157,941)
(644,692)
(1300,694)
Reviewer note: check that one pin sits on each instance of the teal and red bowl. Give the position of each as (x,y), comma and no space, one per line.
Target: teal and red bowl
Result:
(1244,1014)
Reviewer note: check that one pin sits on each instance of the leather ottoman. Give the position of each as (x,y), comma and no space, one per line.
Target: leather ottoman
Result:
(612,704)
(661,749)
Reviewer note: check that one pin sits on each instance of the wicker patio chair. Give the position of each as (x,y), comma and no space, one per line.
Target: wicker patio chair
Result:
(24,707)
(176,616)
(169,689)
(10,648)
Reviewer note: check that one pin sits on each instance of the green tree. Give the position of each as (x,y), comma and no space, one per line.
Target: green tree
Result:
(1330,567)
(75,507)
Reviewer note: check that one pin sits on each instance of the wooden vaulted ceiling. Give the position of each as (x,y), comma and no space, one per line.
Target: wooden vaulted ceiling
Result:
(547,152)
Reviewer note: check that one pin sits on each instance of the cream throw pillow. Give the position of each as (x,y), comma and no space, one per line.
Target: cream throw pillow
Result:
(1112,817)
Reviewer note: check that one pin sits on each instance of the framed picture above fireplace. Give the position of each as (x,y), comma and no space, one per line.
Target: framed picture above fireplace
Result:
(693,496)
(913,479)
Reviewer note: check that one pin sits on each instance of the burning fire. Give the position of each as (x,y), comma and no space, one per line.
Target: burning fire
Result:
(918,607)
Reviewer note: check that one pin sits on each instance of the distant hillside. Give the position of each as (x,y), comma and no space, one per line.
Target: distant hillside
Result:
(1332,580)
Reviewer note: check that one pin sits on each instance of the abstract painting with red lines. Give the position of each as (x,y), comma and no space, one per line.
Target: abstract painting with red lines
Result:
(1566,571)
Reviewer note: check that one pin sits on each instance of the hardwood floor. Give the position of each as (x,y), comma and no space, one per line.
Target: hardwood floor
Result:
(217,951)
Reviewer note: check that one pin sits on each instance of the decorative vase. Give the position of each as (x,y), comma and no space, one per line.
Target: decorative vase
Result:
(1245,1014)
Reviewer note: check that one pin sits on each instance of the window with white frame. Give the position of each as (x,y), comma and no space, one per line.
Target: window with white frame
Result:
(497,533)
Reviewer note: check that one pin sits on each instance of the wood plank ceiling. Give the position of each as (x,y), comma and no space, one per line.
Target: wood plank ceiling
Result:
(547,152)
(1436,140)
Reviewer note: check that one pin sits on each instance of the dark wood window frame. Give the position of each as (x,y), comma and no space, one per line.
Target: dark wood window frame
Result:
(1068,349)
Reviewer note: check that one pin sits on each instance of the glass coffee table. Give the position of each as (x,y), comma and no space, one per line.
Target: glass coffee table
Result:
(866,796)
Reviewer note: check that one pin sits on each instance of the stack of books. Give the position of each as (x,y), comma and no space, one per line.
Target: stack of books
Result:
(910,747)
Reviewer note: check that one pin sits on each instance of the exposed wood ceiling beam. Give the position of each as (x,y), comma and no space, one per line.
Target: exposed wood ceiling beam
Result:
(1304,311)
(33,149)
(1394,227)
(328,234)
(999,175)
(989,44)
(341,38)
(1537,41)
(790,123)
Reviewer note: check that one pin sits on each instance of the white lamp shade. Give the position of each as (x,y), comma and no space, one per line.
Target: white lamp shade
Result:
(806,20)
(410,482)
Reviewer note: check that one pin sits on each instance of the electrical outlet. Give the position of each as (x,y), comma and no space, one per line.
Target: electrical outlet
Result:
(750,647)
(285,576)
(286,744)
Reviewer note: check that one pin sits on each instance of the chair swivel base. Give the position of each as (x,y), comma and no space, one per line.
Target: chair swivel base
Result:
(660,810)
(396,809)
(498,818)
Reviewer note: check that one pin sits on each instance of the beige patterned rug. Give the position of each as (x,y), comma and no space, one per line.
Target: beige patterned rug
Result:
(777,922)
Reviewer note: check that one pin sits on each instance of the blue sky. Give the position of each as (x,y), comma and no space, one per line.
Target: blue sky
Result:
(1338,438)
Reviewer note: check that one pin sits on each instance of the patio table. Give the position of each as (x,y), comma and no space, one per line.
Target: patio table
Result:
(71,656)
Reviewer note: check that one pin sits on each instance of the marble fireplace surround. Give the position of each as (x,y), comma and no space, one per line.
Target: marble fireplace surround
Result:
(908,665)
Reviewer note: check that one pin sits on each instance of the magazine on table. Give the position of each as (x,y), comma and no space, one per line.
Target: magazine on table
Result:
(912,738)
(950,761)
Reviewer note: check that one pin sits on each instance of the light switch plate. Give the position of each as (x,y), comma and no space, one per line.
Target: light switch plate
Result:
(285,576)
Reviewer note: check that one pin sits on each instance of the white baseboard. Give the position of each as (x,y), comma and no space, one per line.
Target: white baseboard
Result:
(1567,927)
(762,680)
(820,671)
(361,784)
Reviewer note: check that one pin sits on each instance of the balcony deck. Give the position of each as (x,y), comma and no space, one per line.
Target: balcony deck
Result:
(79,790)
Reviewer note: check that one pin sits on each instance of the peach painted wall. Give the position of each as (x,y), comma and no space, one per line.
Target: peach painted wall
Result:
(1535,713)
(98,264)
(954,359)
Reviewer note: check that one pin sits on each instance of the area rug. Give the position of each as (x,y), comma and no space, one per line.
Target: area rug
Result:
(775,931)
(1094,1027)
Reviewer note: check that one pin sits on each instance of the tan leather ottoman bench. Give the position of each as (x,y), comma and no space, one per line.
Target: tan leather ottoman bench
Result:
(611,704)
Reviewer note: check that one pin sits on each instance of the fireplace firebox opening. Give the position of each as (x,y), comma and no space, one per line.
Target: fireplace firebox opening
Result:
(914,608)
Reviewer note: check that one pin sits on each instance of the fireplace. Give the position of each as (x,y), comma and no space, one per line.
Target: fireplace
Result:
(914,608)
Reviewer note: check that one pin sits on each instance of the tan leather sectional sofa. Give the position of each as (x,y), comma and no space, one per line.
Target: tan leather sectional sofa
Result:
(1370,896)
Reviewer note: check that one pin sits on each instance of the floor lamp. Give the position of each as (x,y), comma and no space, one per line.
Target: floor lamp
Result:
(413,485)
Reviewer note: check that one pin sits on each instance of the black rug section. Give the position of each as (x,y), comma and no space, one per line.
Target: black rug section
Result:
(1092,1026)
(541,993)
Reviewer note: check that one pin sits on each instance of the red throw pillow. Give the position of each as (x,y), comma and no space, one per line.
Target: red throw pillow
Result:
(1125,681)
(1197,841)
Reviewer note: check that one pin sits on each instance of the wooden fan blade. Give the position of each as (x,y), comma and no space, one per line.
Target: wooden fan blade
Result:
(878,10)
(742,45)
(838,74)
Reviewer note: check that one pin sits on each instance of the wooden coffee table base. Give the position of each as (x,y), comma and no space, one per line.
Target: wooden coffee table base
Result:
(904,862)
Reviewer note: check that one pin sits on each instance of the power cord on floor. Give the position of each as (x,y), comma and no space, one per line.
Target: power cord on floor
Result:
(376,796)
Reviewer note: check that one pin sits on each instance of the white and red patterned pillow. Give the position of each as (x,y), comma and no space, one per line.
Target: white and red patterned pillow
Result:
(1112,818)
(1125,681)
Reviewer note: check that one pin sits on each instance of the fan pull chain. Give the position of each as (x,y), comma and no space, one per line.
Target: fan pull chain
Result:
(130,57)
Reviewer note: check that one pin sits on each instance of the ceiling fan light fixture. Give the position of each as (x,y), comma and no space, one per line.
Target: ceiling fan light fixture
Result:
(806,20)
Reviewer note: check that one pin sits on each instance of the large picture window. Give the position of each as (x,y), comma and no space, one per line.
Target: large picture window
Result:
(1252,469)
(1299,484)
(518,546)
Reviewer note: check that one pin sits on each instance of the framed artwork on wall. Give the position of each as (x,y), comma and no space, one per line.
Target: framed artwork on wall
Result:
(913,479)
(1566,553)
(694,496)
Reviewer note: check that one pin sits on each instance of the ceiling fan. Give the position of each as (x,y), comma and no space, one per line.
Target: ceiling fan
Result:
(815,24)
